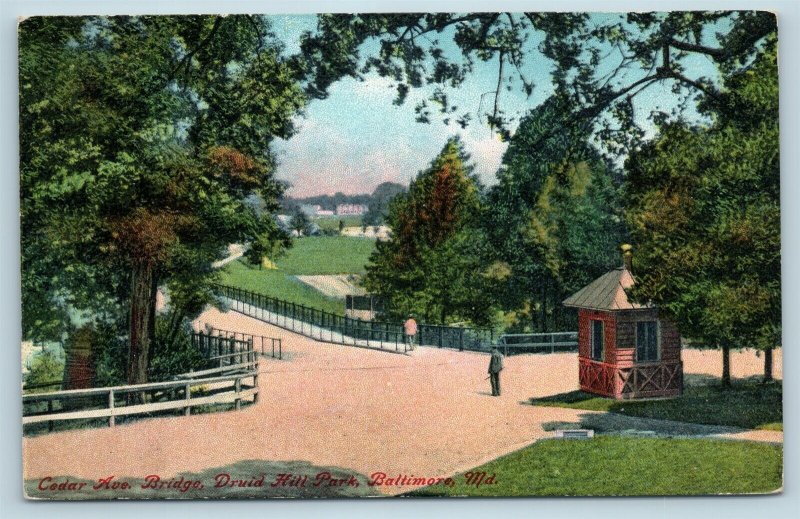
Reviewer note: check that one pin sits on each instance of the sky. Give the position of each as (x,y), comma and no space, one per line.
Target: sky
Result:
(356,138)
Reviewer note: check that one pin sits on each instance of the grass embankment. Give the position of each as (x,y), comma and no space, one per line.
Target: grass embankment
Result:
(746,403)
(331,223)
(278,284)
(315,255)
(617,466)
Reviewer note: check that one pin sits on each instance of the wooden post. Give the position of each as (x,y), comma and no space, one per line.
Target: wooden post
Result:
(188,396)
(50,411)
(255,385)
(111,420)
(238,389)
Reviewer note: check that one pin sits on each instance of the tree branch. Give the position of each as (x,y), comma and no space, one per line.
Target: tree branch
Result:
(692,47)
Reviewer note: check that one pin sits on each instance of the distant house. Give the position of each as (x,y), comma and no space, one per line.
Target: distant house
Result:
(311,209)
(351,209)
(325,212)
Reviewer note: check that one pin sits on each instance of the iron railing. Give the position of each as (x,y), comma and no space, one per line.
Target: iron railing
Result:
(329,327)
(268,346)
(538,342)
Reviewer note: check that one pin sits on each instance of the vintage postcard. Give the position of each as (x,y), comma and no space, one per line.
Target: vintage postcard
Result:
(417,254)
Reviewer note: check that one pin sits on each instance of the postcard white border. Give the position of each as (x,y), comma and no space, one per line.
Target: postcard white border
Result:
(11,503)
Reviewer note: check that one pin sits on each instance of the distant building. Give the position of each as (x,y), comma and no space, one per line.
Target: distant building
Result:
(325,212)
(351,209)
(625,349)
(311,209)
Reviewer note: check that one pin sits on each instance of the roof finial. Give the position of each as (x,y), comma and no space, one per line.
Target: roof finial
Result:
(627,256)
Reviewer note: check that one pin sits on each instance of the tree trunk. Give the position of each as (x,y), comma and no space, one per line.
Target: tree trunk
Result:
(142,322)
(726,365)
(768,365)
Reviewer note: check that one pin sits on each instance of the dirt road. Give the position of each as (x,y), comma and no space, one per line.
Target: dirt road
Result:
(427,414)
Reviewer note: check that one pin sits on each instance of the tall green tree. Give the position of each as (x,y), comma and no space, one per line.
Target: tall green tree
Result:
(379,202)
(553,221)
(300,222)
(430,267)
(141,138)
(704,212)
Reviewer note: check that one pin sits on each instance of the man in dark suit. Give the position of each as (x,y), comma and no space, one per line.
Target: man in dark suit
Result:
(495,367)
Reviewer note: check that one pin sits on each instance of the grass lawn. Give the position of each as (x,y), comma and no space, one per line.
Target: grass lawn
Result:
(276,283)
(331,223)
(616,466)
(310,255)
(327,255)
(747,404)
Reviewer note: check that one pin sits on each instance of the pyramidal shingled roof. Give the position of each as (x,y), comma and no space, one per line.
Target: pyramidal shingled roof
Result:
(608,292)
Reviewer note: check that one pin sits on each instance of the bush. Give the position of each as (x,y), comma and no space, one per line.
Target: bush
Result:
(173,353)
(45,368)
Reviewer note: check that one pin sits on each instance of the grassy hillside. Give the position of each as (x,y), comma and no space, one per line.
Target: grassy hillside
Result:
(310,255)
(331,223)
(276,283)
(327,255)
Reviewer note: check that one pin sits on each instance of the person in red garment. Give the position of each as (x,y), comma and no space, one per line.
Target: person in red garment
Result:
(410,329)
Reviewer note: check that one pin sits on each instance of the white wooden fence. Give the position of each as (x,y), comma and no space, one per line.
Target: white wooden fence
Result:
(228,384)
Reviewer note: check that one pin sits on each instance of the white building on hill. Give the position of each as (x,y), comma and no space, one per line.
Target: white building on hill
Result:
(351,209)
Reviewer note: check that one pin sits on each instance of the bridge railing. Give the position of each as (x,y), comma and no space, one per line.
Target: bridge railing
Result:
(538,342)
(268,346)
(328,327)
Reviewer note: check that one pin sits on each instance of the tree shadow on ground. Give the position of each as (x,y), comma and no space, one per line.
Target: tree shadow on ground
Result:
(747,404)
(320,482)
(618,424)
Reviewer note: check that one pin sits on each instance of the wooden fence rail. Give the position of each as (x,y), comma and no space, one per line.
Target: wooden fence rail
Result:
(132,399)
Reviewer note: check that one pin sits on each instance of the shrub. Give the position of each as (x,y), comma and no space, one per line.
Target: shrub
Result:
(45,368)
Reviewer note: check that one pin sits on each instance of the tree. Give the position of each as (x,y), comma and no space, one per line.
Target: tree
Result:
(553,221)
(379,202)
(430,267)
(300,222)
(439,50)
(140,140)
(270,243)
(704,212)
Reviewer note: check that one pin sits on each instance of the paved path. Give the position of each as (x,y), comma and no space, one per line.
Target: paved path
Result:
(428,413)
